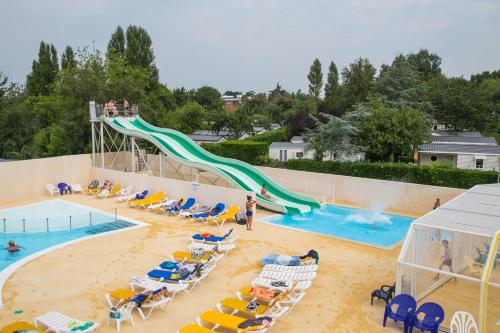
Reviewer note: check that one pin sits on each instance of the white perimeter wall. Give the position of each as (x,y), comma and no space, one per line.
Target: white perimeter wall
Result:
(173,188)
(364,192)
(29,178)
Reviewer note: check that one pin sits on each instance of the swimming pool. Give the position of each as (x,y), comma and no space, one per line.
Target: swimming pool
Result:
(359,225)
(33,236)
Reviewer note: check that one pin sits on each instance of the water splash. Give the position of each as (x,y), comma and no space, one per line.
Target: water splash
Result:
(374,216)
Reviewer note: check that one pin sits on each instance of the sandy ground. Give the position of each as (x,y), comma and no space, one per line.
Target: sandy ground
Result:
(74,279)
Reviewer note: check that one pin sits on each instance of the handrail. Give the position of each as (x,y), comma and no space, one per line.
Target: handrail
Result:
(116,110)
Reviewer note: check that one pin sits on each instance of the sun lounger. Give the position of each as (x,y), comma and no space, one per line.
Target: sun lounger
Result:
(165,203)
(151,200)
(214,319)
(185,256)
(199,210)
(193,328)
(272,283)
(21,326)
(76,188)
(211,239)
(113,191)
(290,269)
(123,313)
(283,295)
(222,218)
(288,276)
(52,189)
(163,275)
(216,211)
(221,249)
(60,323)
(145,283)
(237,306)
(186,206)
(147,302)
(192,279)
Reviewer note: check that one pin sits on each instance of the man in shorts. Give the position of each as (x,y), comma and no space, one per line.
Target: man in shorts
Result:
(445,259)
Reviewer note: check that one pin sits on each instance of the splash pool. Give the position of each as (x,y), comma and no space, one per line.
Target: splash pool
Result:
(359,225)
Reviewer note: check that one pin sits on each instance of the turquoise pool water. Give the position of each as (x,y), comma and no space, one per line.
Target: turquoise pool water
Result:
(365,226)
(33,240)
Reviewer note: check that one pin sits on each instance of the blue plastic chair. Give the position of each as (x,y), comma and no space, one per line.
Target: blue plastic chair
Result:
(433,317)
(406,306)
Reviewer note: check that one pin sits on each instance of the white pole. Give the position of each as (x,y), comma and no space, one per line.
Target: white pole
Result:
(93,143)
(102,144)
(161,164)
(132,142)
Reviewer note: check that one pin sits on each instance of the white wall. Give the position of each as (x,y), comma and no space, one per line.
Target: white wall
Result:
(363,192)
(173,188)
(29,178)
(291,153)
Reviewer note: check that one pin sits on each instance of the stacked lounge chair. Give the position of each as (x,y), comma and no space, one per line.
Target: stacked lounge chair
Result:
(256,308)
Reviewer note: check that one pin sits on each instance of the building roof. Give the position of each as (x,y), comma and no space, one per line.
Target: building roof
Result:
(297,138)
(209,132)
(206,138)
(454,139)
(459,149)
(456,133)
(2,160)
(287,145)
(258,128)
(475,211)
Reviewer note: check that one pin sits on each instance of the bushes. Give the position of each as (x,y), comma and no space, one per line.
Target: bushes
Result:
(277,135)
(248,151)
(428,175)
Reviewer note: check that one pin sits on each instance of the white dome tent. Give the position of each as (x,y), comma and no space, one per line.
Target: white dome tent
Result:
(466,231)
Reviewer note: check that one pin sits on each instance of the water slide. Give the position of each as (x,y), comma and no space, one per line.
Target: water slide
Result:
(185,151)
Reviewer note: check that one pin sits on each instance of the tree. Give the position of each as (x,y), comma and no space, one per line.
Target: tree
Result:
(299,119)
(400,83)
(389,133)
(357,82)
(315,78)
(44,71)
(191,117)
(139,51)
(208,97)
(426,63)
(276,92)
(240,121)
(116,45)
(335,136)
(332,83)
(68,58)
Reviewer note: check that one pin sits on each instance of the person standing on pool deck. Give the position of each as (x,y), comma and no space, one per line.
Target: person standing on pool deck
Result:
(445,259)
(249,212)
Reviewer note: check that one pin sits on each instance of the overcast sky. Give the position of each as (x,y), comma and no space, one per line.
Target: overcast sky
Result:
(251,44)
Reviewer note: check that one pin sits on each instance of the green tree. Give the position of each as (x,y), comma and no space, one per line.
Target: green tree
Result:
(332,83)
(315,78)
(44,71)
(68,58)
(336,136)
(208,97)
(389,133)
(357,82)
(139,51)
(191,117)
(298,119)
(116,45)
(277,92)
(426,63)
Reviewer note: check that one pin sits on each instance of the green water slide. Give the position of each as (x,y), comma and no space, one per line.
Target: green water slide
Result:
(185,151)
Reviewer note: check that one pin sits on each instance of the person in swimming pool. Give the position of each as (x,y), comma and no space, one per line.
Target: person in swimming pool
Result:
(249,212)
(13,247)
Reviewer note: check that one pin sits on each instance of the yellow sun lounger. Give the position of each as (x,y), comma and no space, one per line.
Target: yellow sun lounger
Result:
(228,321)
(241,306)
(20,326)
(185,256)
(151,200)
(288,296)
(110,192)
(230,214)
(193,328)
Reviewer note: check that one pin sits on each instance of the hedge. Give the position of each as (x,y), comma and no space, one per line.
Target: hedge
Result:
(277,135)
(248,151)
(428,175)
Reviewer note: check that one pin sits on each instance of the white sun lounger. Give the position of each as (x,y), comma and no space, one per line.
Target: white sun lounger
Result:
(152,305)
(60,323)
(127,197)
(167,203)
(145,283)
(288,276)
(290,269)
(221,248)
(76,188)
(268,283)
(52,190)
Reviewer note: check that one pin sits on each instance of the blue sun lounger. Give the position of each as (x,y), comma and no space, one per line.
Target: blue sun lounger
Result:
(213,239)
(218,209)
(186,206)
(167,275)
(171,265)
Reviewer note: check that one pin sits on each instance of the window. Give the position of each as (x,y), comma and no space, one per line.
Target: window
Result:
(281,155)
(285,158)
(299,154)
(479,163)
(434,158)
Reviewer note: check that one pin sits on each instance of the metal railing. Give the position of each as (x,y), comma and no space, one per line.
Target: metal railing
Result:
(57,223)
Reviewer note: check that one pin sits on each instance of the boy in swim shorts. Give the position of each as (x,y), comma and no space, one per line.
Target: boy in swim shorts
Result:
(249,212)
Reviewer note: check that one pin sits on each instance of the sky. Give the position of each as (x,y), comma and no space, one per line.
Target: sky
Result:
(244,45)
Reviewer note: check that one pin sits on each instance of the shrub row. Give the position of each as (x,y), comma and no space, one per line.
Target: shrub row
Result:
(248,151)
(277,135)
(428,175)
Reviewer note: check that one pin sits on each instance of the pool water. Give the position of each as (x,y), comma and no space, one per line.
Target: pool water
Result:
(35,240)
(360,225)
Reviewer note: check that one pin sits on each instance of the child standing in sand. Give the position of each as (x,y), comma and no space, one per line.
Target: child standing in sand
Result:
(249,212)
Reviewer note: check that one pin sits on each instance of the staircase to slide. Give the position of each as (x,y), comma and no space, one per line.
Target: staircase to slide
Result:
(185,151)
